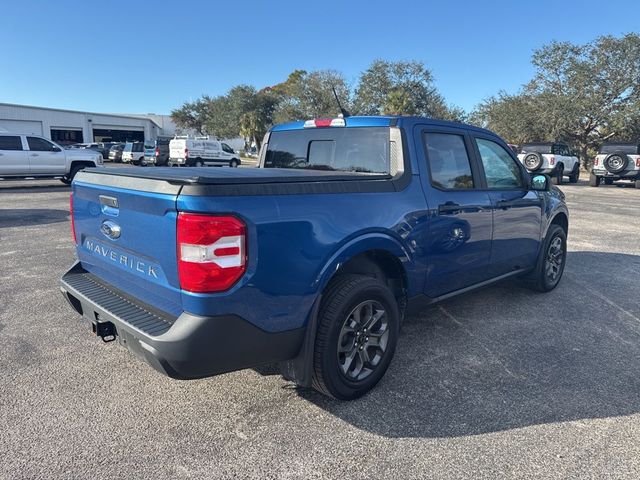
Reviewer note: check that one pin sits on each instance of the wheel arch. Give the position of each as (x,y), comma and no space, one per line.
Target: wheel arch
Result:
(376,255)
(560,219)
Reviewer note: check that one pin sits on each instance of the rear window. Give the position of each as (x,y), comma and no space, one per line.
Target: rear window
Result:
(623,148)
(137,147)
(10,143)
(362,149)
(536,148)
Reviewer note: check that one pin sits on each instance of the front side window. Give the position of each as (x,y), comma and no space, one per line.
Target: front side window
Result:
(500,169)
(448,161)
(10,143)
(227,148)
(40,145)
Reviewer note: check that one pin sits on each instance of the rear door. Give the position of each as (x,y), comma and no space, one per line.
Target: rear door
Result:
(459,241)
(126,232)
(517,211)
(46,158)
(13,157)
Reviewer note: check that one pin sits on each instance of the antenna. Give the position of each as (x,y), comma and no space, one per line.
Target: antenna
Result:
(343,112)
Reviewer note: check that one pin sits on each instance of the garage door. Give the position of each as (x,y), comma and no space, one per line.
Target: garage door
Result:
(21,126)
(117,134)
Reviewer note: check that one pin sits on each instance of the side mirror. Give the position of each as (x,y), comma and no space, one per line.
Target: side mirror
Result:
(540,182)
(56,149)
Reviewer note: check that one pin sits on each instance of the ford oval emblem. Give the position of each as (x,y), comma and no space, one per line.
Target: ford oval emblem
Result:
(110,229)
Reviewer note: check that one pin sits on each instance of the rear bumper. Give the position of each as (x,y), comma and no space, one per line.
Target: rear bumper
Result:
(631,174)
(189,346)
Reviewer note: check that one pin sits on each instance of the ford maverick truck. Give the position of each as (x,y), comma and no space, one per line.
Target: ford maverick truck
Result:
(312,260)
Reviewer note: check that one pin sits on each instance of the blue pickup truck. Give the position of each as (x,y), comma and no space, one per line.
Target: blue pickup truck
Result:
(312,260)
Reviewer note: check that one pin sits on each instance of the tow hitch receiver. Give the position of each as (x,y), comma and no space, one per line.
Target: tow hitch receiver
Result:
(105,330)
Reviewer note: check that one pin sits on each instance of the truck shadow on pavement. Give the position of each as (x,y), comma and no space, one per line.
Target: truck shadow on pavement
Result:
(23,217)
(505,357)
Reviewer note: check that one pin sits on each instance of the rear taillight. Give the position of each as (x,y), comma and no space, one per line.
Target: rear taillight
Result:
(596,161)
(211,252)
(157,152)
(186,153)
(552,161)
(73,225)
(638,162)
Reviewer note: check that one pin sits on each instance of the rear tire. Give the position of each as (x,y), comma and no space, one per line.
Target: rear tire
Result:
(198,163)
(637,182)
(358,325)
(551,261)
(594,180)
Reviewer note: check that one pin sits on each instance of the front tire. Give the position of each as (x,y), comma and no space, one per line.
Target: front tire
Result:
(575,174)
(551,261)
(233,163)
(556,179)
(69,178)
(358,325)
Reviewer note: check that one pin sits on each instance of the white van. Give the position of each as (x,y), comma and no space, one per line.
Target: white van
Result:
(198,152)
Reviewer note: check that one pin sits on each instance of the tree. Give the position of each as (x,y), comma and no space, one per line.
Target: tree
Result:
(242,111)
(310,95)
(400,88)
(583,94)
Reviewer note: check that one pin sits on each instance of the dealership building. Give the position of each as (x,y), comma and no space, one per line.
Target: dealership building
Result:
(72,126)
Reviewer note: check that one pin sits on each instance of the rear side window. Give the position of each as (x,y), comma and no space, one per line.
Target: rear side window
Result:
(500,169)
(10,143)
(137,147)
(39,144)
(356,149)
(448,161)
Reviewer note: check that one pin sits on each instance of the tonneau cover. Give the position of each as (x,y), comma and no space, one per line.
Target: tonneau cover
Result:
(236,176)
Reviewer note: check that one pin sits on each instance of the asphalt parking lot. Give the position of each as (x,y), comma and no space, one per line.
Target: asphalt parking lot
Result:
(499,383)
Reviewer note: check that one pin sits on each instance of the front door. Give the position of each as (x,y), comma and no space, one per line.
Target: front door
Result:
(45,158)
(458,244)
(517,215)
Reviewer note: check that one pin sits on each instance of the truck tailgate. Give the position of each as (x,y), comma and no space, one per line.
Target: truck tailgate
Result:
(126,236)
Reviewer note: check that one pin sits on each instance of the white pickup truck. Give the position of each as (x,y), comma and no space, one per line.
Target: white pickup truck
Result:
(554,159)
(26,156)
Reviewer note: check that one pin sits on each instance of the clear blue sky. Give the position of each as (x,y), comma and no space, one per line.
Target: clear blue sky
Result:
(141,57)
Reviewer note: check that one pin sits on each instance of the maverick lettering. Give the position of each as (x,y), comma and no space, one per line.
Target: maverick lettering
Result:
(129,262)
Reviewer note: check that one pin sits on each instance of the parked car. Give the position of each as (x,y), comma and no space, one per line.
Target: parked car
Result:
(105,148)
(313,259)
(23,156)
(198,152)
(115,152)
(133,152)
(554,159)
(616,161)
(156,152)
(81,146)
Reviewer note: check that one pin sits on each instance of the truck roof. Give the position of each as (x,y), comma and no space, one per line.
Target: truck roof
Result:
(386,121)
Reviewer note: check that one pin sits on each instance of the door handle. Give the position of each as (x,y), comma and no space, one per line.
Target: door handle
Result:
(449,208)
(35,155)
(504,204)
